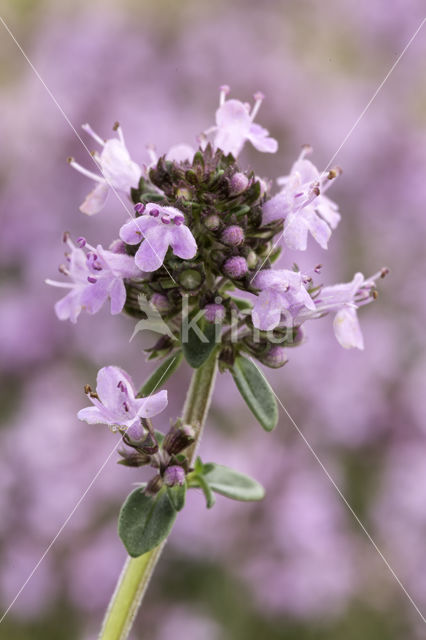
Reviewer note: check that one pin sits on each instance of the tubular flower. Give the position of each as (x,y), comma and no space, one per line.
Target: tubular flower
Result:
(118,170)
(303,206)
(344,300)
(115,401)
(158,228)
(234,125)
(281,291)
(96,276)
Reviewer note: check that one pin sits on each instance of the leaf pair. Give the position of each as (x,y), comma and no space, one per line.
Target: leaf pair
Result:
(145,520)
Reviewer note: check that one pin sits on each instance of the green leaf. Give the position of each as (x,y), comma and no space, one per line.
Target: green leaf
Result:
(241,303)
(198,341)
(145,521)
(233,484)
(177,495)
(256,391)
(206,489)
(161,375)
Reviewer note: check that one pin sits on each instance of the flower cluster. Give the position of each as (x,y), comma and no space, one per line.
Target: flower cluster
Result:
(199,227)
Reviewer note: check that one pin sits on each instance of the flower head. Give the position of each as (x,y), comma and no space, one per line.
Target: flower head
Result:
(303,206)
(115,403)
(118,170)
(281,291)
(95,275)
(234,125)
(158,228)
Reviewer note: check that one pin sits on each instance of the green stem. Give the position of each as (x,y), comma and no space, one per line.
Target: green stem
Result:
(136,574)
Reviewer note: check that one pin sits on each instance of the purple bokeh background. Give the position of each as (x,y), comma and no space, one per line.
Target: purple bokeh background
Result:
(300,555)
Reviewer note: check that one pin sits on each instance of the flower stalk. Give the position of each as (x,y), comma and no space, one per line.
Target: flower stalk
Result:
(137,572)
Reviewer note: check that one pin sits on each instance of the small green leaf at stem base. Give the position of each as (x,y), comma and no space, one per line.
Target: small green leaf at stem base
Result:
(145,521)
(256,391)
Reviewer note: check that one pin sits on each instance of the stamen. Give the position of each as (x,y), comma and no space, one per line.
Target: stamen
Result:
(154,213)
(318,268)
(60,285)
(224,90)
(139,207)
(125,406)
(63,269)
(165,219)
(259,97)
(116,127)
(152,153)
(91,279)
(87,389)
(86,127)
(81,242)
(306,150)
(85,172)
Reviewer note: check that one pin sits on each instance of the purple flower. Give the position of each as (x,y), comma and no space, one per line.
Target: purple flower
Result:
(234,125)
(281,291)
(119,172)
(344,300)
(158,227)
(96,276)
(115,403)
(303,206)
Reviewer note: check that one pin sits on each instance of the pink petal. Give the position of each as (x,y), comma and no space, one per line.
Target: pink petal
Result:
(118,296)
(347,329)
(180,153)
(296,232)
(95,200)
(108,391)
(150,255)
(134,231)
(275,208)
(258,136)
(151,406)
(91,415)
(319,229)
(183,243)
(94,295)
(266,312)
(69,307)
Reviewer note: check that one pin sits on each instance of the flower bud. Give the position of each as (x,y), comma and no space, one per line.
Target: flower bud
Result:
(251,259)
(178,438)
(174,475)
(154,485)
(149,445)
(214,312)
(275,358)
(133,458)
(135,432)
(160,302)
(190,279)
(212,222)
(239,183)
(235,267)
(233,235)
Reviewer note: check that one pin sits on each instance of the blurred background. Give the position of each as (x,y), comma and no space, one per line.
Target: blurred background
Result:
(297,565)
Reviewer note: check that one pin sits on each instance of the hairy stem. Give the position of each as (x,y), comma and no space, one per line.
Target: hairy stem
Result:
(136,574)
